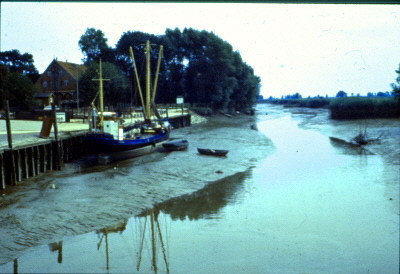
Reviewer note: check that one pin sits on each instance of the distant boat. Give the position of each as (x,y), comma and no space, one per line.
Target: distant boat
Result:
(213,152)
(176,145)
(108,135)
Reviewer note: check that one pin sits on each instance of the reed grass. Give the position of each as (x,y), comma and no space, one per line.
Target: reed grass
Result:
(308,103)
(364,108)
(349,107)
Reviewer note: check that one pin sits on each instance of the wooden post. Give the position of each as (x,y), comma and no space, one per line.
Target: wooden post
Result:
(18,166)
(57,151)
(32,161)
(8,124)
(182,108)
(37,159)
(25,163)
(2,177)
(42,165)
(9,137)
(53,108)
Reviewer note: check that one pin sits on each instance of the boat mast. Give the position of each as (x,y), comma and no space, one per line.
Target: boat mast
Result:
(148,97)
(148,101)
(160,55)
(137,79)
(101,100)
(101,96)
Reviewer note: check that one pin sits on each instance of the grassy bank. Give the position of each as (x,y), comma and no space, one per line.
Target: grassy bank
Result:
(349,107)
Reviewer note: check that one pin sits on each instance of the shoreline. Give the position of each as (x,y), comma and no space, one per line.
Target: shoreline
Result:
(295,195)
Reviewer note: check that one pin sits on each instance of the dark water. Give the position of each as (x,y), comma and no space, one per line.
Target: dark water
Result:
(294,202)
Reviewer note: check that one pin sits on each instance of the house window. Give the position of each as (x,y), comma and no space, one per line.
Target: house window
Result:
(45,84)
(66,82)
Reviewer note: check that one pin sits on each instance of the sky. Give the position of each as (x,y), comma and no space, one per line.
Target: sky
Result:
(305,48)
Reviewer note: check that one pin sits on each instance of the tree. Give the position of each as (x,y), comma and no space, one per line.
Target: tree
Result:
(197,65)
(93,45)
(213,73)
(17,88)
(382,94)
(294,96)
(341,93)
(116,90)
(20,63)
(396,86)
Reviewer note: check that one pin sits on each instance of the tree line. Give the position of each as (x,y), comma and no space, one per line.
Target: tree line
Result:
(197,65)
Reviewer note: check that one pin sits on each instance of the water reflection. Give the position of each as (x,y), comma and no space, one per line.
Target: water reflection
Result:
(348,148)
(54,247)
(157,239)
(207,202)
(103,234)
(149,237)
(140,244)
(57,247)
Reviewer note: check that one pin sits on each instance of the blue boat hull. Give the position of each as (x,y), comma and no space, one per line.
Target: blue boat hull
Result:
(104,143)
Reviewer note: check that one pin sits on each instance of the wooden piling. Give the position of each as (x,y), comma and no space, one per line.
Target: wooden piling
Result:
(2,177)
(23,162)
(58,152)
(17,165)
(37,160)
(8,124)
(32,162)
(9,138)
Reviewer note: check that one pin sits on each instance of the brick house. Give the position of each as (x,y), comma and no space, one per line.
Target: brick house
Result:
(60,79)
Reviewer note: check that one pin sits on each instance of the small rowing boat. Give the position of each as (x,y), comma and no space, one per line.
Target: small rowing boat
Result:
(212,152)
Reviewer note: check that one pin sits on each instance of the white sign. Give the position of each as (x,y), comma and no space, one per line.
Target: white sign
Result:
(60,117)
(179,100)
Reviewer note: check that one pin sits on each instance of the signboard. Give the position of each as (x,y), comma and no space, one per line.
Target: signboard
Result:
(179,100)
(60,117)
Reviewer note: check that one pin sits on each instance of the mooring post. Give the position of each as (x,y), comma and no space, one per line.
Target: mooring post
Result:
(53,108)
(9,137)
(2,177)
(25,163)
(18,165)
(58,154)
(8,124)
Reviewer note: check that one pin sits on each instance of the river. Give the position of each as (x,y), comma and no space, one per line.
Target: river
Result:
(287,199)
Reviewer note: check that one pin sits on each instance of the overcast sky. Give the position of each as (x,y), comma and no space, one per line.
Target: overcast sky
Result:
(305,48)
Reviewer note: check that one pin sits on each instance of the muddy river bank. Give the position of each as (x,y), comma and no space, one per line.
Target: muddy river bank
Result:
(82,198)
(286,200)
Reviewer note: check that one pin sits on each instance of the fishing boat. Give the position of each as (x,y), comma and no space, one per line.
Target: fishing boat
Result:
(176,145)
(212,152)
(109,136)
